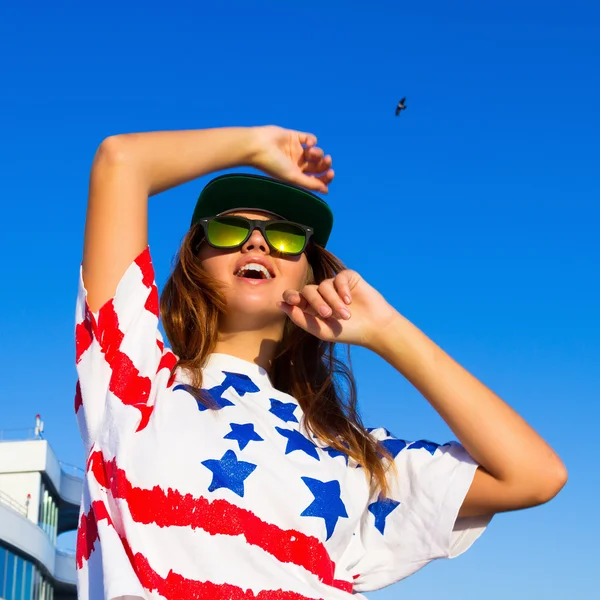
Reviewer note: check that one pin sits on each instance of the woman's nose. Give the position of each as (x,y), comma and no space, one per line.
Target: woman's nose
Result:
(256,241)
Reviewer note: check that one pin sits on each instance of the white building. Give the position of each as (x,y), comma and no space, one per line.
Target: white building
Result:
(39,499)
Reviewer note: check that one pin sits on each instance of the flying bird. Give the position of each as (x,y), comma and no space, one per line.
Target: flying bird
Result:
(400,106)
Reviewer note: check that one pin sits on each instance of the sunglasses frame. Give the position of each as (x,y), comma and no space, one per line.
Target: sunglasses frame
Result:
(261,225)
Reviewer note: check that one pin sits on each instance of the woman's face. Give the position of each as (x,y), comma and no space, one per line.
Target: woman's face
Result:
(254,300)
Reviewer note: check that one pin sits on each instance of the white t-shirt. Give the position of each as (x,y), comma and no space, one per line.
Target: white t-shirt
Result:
(180,501)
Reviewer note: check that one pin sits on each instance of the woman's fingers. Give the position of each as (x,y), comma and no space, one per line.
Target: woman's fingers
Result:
(316,303)
(314,167)
(314,160)
(343,287)
(310,182)
(330,295)
(323,301)
(323,329)
(318,165)
(294,298)
(313,153)
(327,177)
(318,181)
(306,139)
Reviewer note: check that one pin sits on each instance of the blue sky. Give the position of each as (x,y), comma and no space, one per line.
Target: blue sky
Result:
(475,212)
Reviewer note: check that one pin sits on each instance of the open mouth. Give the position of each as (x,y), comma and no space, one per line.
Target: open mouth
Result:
(254,271)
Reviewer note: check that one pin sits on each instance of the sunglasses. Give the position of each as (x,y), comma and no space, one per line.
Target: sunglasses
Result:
(232,232)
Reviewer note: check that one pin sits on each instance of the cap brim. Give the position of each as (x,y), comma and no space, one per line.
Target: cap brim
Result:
(247,191)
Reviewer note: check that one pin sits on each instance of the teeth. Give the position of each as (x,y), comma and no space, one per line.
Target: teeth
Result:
(254,267)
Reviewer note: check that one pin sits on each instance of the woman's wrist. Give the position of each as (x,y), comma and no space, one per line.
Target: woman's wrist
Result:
(249,147)
(400,343)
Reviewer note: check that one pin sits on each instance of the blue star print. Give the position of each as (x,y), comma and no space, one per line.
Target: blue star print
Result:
(327,504)
(243,434)
(214,394)
(372,429)
(380,510)
(229,472)
(393,446)
(431,447)
(296,441)
(335,453)
(239,382)
(242,384)
(283,410)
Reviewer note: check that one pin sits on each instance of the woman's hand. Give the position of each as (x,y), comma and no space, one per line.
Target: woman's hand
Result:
(293,157)
(343,309)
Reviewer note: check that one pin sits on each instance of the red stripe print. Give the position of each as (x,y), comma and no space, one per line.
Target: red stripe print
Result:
(87,532)
(78,400)
(95,464)
(144,262)
(177,587)
(152,301)
(219,517)
(168,361)
(84,334)
(345,586)
(146,412)
(126,383)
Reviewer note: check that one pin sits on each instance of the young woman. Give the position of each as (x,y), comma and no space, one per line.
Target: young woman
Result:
(236,466)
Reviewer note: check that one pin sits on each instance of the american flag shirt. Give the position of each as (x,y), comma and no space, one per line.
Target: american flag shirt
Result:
(237,502)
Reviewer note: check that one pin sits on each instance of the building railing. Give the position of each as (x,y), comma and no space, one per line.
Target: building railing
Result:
(12,503)
(72,470)
(19,434)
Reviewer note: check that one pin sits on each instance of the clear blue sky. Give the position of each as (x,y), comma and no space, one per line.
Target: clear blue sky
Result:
(475,212)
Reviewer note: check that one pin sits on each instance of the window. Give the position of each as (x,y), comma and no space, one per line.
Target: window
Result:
(37,583)
(41,509)
(45,514)
(20,579)
(27,586)
(9,576)
(48,515)
(2,570)
(19,572)
(54,522)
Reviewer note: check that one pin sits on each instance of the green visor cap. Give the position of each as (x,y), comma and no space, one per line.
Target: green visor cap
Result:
(257,192)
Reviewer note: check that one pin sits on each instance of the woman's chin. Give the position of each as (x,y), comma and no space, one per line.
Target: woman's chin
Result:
(261,311)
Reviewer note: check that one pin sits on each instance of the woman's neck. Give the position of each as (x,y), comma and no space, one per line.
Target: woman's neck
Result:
(253,346)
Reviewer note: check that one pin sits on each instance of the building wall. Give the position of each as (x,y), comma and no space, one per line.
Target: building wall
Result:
(30,455)
(31,568)
(18,485)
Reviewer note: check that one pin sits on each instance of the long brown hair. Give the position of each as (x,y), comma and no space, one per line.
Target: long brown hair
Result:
(305,367)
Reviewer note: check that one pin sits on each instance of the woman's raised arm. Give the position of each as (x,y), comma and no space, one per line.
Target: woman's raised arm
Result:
(129,168)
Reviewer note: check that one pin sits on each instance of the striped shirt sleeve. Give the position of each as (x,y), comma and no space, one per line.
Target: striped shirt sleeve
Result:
(119,351)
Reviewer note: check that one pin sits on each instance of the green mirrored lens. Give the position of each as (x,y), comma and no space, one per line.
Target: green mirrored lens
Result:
(227,232)
(286,237)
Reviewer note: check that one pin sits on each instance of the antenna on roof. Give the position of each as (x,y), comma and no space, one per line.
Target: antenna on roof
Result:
(39,426)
